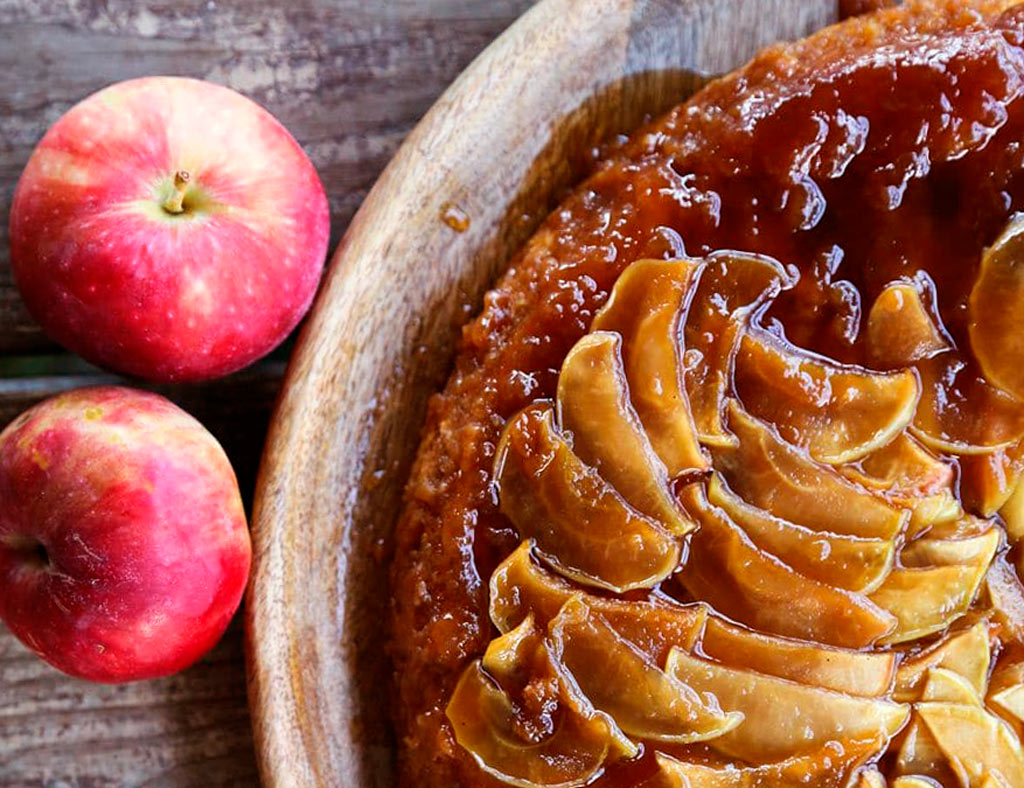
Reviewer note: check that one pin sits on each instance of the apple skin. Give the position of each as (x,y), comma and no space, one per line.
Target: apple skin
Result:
(147,551)
(115,277)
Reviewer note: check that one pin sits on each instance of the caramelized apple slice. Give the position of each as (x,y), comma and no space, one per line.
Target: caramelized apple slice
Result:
(731,286)
(565,743)
(994,309)
(775,476)
(581,525)
(827,767)
(783,718)
(646,307)
(618,679)
(1006,692)
(975,742)
(870,778)
(946,686)
(915,781)
(847,562)
(966,652)
(966,527)
(899,329)
(839,413)
(972,550)
(942,507)
(988,480)
(1006,598)
(1012,512)
(593,404)
(910,477)
(727,570)
(927,600)
(519,587)
(920,754)
(960,413)
(1010,700)
(907,468)
(863,673)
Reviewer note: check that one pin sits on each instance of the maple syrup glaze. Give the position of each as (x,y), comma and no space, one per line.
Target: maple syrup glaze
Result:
(891,146)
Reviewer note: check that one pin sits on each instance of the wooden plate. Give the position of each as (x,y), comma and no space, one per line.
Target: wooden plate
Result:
(498,148)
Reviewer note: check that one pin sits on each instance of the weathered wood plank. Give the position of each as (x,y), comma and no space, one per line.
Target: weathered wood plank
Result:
(187,730)
(349,78)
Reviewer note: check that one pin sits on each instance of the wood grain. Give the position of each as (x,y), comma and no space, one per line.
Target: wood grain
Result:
(349,79)
(499,144)
(188,730)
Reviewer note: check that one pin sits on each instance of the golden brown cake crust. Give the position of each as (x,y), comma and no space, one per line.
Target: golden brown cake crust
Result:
(660,193)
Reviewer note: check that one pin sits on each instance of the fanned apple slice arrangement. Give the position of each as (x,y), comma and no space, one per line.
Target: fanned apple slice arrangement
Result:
(749,563)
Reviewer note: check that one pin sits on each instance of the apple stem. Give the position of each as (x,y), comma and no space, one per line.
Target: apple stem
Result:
(174,203)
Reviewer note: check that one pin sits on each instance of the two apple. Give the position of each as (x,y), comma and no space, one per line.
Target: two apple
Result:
(173,230)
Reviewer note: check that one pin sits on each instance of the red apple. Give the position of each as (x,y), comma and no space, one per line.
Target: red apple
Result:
(168,228)
(124,550)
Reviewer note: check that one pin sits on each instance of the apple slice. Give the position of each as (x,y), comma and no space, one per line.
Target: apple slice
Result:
(581,525)
(1010,700)
(728,571)
(960,413)
(828,767)
(988,480)
(565,742)
(994,307)
(927,600)
(966,527)
(646,308)
(946,686)
(593,405)
(907,468)
(1006,693)
(839,413)
(863,673)
(847,562)
(938,581)
(919,754)
(966,652)
(782,718)
(520,587)
(1012,512)
(900,330)
(870,778)
(775,476)
(732,285)
(915,781)
(972,550)
(618,679)
(975,742)
(910,477)
(1006,598)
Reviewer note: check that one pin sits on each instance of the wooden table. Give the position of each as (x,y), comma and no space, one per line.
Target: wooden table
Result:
(349,78)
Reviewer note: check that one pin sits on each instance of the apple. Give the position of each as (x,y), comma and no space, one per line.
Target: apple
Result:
(124,550)
(168,228)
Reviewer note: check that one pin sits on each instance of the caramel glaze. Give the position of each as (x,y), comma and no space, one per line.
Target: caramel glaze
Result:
(882,147)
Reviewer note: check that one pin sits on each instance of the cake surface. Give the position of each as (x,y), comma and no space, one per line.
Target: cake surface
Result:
(744,421)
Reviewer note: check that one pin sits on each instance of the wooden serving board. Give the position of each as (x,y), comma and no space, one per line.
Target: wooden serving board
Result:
(500,145)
